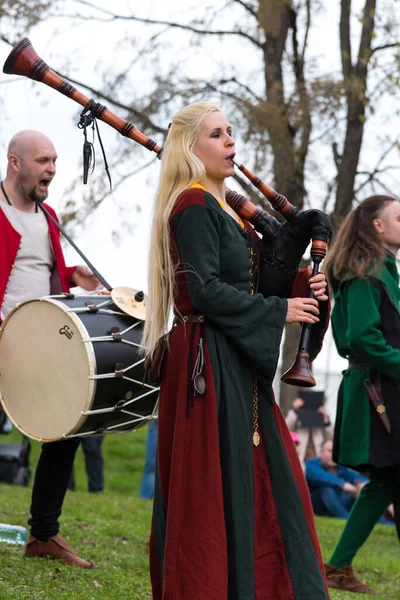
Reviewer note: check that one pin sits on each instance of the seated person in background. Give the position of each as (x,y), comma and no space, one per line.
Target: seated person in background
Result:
(312,425)
(333,488)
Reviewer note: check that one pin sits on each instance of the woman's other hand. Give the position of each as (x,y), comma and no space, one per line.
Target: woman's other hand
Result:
(302,310)
(318,284)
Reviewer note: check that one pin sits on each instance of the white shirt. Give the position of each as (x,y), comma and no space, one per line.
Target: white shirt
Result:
(30,275)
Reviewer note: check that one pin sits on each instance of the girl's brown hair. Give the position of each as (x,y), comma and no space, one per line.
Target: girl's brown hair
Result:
(357,250)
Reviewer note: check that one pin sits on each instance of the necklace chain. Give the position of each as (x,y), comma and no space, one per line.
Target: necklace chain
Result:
(5,193)
(8,199)
(256,434)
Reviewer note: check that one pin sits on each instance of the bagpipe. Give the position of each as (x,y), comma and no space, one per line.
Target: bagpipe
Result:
(282,245)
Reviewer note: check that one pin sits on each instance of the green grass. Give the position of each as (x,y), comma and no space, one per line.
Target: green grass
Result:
(377,564)
(112,530)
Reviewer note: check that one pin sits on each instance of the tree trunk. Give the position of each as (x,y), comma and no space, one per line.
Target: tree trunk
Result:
(278,18)
(355,79)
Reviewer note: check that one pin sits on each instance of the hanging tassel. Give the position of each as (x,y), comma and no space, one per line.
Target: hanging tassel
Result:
(199,382)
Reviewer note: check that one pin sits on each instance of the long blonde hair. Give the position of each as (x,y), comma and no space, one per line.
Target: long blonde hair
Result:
(180,168)
(357,250)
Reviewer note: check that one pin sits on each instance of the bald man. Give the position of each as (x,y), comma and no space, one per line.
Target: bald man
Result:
(31,266)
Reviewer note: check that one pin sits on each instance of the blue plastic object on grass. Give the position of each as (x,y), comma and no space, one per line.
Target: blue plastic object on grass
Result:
(12,534)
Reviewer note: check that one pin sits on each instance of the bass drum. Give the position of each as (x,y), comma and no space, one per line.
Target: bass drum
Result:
(71,366)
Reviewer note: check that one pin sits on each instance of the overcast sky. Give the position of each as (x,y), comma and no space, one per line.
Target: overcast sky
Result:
(86,46)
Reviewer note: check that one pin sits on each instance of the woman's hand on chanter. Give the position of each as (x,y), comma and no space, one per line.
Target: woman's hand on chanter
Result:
(318,284)
(302,310)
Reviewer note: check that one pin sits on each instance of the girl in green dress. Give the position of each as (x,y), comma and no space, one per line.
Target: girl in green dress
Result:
(366,326)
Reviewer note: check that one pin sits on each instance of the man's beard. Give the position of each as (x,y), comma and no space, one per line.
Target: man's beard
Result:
(36,197)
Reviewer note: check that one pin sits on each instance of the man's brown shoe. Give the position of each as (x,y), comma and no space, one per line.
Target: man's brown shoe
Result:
(344,579)
(55,548)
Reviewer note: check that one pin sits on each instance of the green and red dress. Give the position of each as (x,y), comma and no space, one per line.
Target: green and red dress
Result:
(231,521)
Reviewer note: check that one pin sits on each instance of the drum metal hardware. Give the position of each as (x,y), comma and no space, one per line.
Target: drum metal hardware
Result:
(132,302)
(119,370)
(92,307)
(116,334)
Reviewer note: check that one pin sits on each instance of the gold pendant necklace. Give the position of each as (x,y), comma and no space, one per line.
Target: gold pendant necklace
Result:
(256,435)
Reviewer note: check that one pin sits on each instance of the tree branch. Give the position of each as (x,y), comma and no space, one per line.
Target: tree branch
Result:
(217,87)
(330,188)
(376,92)
(244,87)
(356,85)
(372,174)
(247,7)
(307,31)
(329,130)
(385,188)
(304,104)
(5,81)
(364,52)
(145,48)
(384,47)
(371,181)
(337,157)
(6,40)
(145,119)
(94,205)
(238,32)
(345,42)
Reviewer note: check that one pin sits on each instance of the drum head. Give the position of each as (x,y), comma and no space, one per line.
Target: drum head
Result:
(45,369)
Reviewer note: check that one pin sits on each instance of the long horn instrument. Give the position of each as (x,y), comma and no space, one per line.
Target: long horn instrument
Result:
(23,60)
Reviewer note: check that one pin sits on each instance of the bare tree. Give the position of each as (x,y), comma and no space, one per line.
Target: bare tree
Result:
(286,106)
(22,14)
(355,79)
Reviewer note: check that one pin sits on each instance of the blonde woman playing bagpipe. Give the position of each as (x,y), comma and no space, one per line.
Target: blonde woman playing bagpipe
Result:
(232,517)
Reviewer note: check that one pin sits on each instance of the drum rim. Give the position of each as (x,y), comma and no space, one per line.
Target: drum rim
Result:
(91,362)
